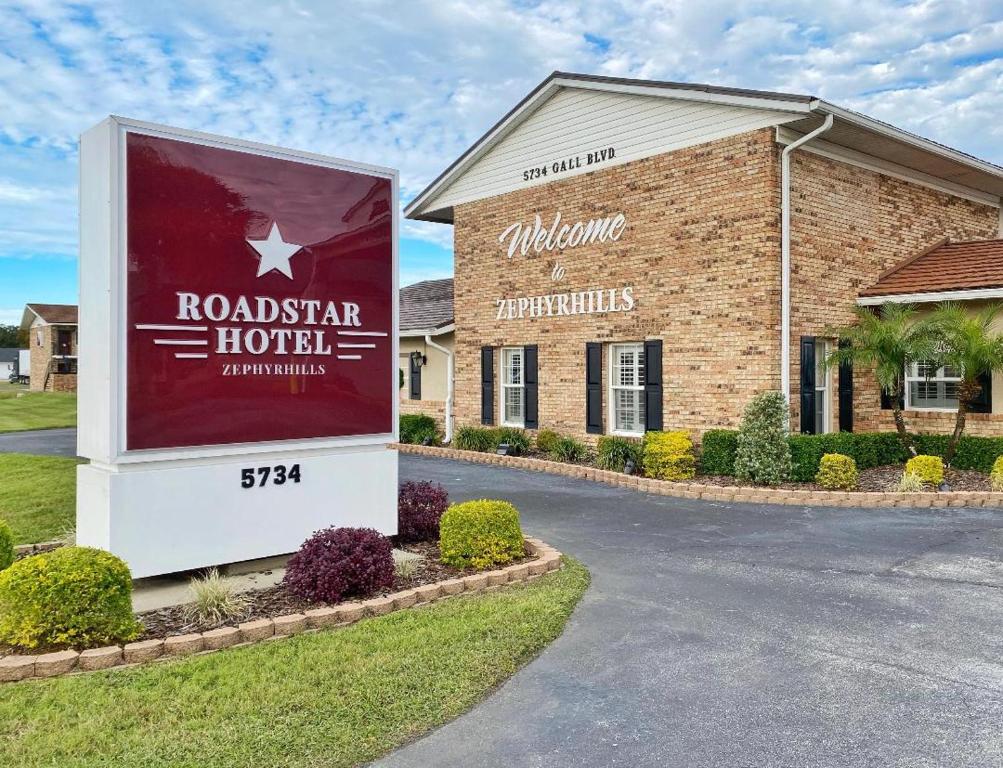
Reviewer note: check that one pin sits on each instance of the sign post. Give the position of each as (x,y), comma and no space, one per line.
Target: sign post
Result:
(238,346)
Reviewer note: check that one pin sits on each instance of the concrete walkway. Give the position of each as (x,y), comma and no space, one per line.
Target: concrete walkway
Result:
(744,635)
(42,442)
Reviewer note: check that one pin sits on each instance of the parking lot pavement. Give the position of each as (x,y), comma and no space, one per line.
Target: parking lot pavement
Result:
(49,442)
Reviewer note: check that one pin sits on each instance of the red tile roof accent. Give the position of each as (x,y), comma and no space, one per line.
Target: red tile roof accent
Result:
(946,266)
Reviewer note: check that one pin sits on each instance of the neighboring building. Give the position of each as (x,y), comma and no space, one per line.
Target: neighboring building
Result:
(8,362)
(426,350)
(626,257)
(52,340)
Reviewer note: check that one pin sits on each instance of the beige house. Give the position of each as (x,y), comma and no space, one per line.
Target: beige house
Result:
(52,341)
(633,255)
(426,350)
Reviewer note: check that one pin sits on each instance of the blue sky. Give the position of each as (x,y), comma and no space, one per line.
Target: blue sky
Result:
(411,85)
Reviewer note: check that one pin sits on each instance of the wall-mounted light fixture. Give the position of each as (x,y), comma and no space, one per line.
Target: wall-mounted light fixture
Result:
(418,359)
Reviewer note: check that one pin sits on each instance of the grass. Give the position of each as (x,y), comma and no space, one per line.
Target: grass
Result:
(37,410)
(332,698)
(37,495)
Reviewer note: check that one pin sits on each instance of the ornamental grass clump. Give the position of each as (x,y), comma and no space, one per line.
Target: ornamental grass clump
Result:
(910,483)
(569,450)
(6,545)
(517,439)
(837,472)
(613,453)
(996,475)
(546,440)
(420,505)
(337,563)
(762,453)
(480,534)
(929,469)
(668,455)
(416,428)
(76,597)
(475,439)
(214,601)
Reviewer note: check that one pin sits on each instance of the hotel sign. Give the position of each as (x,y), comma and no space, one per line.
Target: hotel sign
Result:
(238,346)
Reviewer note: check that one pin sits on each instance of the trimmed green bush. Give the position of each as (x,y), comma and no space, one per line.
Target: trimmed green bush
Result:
(929,469)
(717,451)
(570,450)
(837,472)
(480,534)
(475,439)
(546,439)
(668,455)
(415,427)
(763,455)
(612,452)
(71,596)
(996,475)
(6,545)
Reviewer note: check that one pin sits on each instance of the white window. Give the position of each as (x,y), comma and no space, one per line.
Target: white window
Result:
(930,388)
(626,388)
(513,387)
(823,405)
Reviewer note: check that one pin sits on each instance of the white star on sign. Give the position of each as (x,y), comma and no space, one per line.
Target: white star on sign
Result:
(275,253)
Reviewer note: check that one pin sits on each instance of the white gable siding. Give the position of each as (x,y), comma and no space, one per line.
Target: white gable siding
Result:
(577,121)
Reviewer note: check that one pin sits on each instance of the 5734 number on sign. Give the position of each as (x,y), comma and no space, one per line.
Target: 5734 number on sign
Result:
(261,476)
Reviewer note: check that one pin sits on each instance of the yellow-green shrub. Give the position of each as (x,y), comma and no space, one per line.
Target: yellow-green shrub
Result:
(996,476)
(6,545)
(72,596)
(480,534)
(929,469)
(668,455)
(837,472)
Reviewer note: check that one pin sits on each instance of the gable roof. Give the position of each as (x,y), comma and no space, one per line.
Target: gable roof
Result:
(946,267)
(426,306)
(51,314)
(804,113)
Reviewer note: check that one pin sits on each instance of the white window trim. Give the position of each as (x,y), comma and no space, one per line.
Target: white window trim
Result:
(610,400)
(908,399)
(502,386)
(825,392)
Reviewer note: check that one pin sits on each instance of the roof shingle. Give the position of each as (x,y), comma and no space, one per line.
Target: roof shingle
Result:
(946,266)
(426,305)
(55,314)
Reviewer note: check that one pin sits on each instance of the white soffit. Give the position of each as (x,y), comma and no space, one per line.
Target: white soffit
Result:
(971,294)
(571,119)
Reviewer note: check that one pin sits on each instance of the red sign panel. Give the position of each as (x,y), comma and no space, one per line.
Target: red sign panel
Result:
(259,298)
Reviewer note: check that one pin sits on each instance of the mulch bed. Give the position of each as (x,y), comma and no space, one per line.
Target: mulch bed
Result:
(277,600)
(875,479)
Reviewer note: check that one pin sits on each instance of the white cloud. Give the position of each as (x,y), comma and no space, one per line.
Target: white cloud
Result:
(411,85)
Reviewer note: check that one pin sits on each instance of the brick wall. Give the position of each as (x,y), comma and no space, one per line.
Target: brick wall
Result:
(848,226)
(700,249)
(39,356)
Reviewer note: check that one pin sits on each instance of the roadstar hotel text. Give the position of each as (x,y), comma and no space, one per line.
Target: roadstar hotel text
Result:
(666,282)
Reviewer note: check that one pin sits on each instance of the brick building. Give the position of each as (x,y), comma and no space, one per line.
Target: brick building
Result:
(626,257)
(52,341)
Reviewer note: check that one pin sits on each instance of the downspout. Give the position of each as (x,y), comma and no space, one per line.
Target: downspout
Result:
(785,258)
(449,385)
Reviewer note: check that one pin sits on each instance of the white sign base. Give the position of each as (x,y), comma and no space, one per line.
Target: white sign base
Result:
(167,516)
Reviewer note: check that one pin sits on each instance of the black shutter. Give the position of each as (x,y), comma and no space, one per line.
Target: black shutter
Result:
(593,388)
(984,402)
(530,355)
(807,385)
(487,385)
(845,393)
(415,375)
(653,385)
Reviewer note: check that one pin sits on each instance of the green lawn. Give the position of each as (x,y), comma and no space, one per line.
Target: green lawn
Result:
(332,698)
(37,495)
(36,410)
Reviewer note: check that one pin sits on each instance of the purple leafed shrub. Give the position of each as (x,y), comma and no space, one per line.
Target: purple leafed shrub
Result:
(336,563)
(419,507)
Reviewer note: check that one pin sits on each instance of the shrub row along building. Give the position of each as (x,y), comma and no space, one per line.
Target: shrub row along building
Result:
(634,255)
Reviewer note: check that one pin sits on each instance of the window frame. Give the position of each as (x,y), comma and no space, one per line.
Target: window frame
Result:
(611,353)
(823,390)
(503,386)
(909,378)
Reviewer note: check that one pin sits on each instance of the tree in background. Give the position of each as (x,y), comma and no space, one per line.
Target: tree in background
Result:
(10,336)
(887,340)
(969,344)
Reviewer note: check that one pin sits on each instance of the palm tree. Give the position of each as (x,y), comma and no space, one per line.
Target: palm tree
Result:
(970,346)
(888,340)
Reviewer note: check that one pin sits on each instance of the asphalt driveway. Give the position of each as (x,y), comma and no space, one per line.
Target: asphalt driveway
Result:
(734,635)
(47,442)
